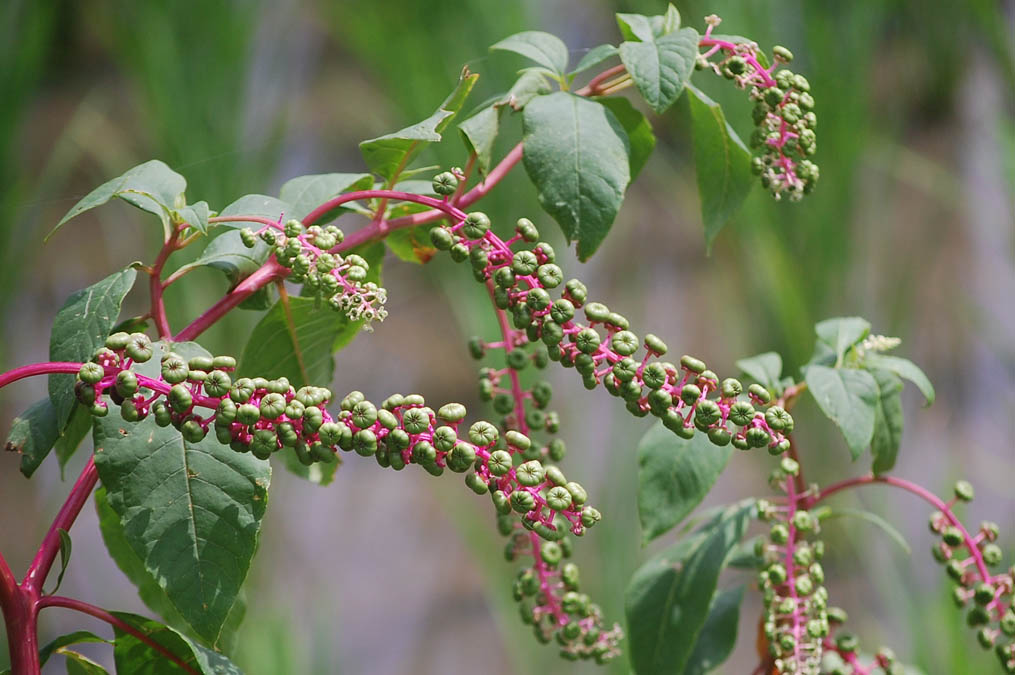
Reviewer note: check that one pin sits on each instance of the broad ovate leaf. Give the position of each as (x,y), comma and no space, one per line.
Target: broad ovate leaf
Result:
(668,599)
(190,511)
(81,327)
(661,66)
(576,154)
(549,51)
(849,398)
(388,155)
(674,475)
(722,163)
(151,187)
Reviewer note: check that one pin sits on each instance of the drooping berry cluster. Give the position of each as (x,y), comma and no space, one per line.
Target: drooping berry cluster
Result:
(968,559)
(537,505)
(338,280)
(784,116)
(603,350)
(548,593)
(847,659)
(796,620)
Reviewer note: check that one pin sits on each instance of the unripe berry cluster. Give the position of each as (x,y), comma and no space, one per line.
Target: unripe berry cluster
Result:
(686,398)
(550,600)
(967,559)
(338,280)
(249,414)
(791,581)
(846,647)
(784,118)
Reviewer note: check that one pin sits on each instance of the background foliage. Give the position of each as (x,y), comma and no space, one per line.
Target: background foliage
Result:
(911,226)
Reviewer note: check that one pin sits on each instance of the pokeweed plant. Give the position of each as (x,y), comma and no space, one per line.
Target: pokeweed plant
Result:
(184,461)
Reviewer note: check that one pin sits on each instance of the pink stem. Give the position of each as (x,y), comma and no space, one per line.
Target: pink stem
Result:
(103,615)
(475,194)
(20,604)
(919,491)
(38,369)
(156,287)
(270,222)
(264,275)
(43,561)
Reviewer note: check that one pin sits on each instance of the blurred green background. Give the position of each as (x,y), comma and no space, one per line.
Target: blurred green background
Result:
(911,226)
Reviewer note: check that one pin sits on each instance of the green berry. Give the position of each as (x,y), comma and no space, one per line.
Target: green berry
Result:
(741,413)
(527,230)
(558,498)
(524,263)
(445,183)
(964,491)
(655,345)
(760,393)
(522,501)
(590,516)
(499,463)
(91,373)
(578,493)
(126,383)
(441,238)
(139,347)
(576,291)
(364,442)
(117,341)
(180,398)
(530,473)
(550,275)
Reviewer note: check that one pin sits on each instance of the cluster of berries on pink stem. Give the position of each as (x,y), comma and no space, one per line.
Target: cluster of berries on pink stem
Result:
(784,118)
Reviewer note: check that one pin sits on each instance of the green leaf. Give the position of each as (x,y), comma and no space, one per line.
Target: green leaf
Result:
(306,193)
(195,215)
(227,252)
(530,84)
(667,600)
(847,397)
(412,244)
(65,551)
(479,133)
(32,435)
(719,634)
(904,368)
(149,590)
(722,163)
(151,187)
(639,132)
(135,657)
(841,333)
(257,205)
(647,28)
(79,664)
(273,351)
(765,369)
(661,66)
(80,327)
(576,154)
(190,511)
(887,421)
(874,519)
(77,637)
(545,49)
(387,155)
(78,426)
(593,58)
(674,475)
